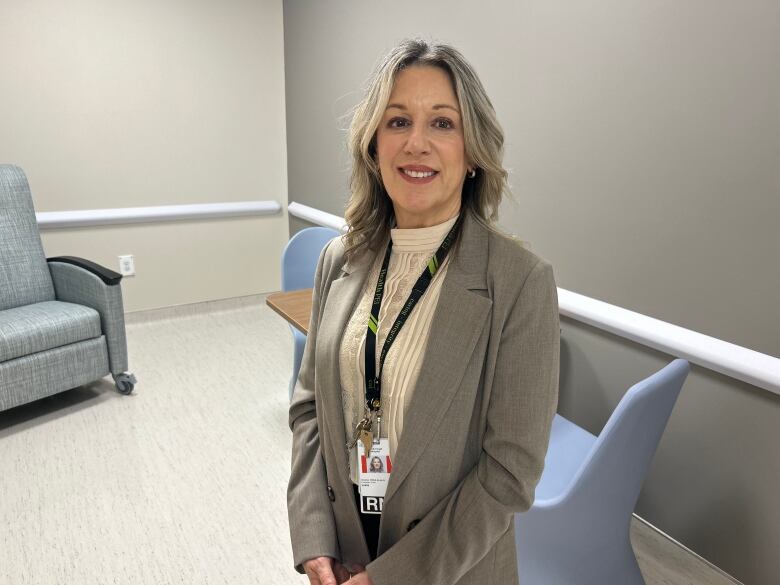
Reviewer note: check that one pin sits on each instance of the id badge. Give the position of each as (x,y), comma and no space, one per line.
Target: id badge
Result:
(373,475)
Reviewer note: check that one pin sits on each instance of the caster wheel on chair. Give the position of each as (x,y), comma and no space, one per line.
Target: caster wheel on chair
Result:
(125,383)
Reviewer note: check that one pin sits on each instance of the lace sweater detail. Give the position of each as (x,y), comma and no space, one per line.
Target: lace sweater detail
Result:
(411,250)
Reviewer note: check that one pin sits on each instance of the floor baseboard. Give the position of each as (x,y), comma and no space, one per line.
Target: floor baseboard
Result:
(660,534)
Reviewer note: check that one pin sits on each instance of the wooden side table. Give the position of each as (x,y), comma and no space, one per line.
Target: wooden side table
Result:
(294,306)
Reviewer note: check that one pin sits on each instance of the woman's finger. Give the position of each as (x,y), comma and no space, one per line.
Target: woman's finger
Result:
(340,572)
(320,571)
(313,580)
(360,579)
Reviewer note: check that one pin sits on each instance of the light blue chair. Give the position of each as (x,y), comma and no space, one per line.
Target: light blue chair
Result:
(299,262)
(577,531)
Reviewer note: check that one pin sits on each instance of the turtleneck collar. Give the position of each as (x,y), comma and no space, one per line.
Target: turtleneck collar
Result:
(425,239)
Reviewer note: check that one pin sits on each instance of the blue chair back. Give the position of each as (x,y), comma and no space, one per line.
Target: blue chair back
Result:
(613,472)
(299,263)
(577,530)
(300,256)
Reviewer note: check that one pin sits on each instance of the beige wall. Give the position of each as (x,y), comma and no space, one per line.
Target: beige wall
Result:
(642,144)
(109,104)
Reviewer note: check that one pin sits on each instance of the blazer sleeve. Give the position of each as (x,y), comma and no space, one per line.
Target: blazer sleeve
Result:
(463,527)
(310,513)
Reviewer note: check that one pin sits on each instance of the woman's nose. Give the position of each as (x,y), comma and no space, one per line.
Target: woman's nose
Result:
(417,141)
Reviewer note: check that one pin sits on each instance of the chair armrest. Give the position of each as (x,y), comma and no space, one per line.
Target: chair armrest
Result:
(86,283)
(109,277)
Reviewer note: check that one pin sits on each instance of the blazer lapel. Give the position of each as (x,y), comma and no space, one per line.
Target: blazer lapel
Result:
(458,321)
(342,298)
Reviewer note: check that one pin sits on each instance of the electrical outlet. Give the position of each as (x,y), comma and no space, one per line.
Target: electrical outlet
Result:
(127,265)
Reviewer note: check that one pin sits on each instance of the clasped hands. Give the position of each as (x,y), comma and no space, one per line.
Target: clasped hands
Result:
(329,571)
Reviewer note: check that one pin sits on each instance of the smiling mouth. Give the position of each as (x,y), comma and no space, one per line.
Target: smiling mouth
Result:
(418,174)
(418,177)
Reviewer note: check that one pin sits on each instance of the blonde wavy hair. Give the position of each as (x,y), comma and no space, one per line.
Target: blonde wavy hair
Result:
(369,213)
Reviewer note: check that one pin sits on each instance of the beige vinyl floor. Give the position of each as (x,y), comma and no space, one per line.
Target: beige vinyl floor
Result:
(184,481)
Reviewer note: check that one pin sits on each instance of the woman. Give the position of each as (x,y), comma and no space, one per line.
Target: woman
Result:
(376,465)
(433,336)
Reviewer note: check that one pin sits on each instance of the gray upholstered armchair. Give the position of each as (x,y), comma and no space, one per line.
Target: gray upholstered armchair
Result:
(61,320)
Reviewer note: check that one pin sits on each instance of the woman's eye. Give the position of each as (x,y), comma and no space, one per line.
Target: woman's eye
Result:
(397,123)
(443,123)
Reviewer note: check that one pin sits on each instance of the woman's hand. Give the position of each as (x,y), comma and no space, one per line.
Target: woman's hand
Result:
(360,578)
(325,571)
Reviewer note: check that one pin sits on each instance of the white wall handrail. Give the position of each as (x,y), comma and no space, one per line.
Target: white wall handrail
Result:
(97,217)
(715,354)
(317,216)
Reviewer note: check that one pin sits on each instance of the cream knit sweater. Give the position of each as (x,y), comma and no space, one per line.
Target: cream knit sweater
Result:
(411,250)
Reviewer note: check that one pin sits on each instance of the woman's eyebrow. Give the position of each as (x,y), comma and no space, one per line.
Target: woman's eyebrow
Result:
(435,107)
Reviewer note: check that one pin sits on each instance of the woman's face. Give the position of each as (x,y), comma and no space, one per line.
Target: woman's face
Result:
(421,132)
(376,464)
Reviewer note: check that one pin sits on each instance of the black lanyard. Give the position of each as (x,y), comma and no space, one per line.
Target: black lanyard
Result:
(373,389)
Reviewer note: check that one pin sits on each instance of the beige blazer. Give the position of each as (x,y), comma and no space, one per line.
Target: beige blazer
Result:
(476,430)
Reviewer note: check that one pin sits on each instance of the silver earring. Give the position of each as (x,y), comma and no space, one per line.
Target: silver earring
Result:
(472,173)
